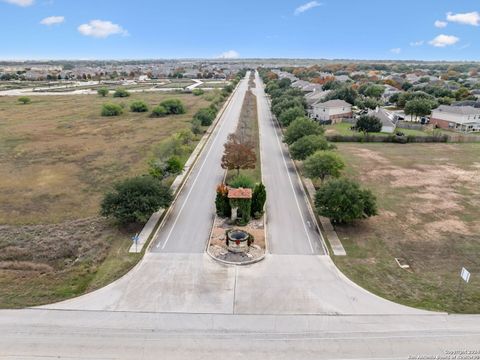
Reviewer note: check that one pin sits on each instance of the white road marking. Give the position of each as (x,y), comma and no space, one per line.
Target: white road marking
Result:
(194,182)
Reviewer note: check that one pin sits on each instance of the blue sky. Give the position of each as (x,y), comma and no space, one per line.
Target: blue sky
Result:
(354,29)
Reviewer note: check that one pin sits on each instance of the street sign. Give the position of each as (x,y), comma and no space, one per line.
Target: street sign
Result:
(465,275)
(135,241)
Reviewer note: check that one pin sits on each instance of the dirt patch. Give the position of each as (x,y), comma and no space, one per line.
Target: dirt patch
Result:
(429,202)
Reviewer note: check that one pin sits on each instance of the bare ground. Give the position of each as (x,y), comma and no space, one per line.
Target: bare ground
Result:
(429,197)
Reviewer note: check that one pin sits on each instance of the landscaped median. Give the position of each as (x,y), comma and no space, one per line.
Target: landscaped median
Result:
(238,233)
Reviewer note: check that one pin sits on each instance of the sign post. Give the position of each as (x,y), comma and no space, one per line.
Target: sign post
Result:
(135,241)
(465,276)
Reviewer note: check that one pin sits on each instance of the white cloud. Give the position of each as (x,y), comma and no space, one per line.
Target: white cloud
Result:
(230,54)
(471,18)
(307,6)
(440,24)
(52,20)
(101,29)
(444,40)
(22,3)
(417,43)
(396,50)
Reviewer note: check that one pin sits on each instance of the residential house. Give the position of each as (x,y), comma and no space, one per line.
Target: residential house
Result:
(333,110)
(316,96)
(458,118)
(388,119)
(389,91)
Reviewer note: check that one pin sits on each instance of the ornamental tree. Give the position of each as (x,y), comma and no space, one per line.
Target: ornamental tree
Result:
(343,201)
(237,155)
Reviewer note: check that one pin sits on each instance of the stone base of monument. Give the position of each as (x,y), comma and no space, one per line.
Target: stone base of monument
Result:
(239,245)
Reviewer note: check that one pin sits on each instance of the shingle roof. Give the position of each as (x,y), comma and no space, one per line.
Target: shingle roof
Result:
(334,104)
(460,110)
(239,193)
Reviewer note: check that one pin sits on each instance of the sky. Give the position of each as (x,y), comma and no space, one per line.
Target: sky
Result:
(331,29)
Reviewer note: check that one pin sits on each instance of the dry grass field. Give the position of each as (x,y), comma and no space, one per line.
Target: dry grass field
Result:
(57,158)
(429,200)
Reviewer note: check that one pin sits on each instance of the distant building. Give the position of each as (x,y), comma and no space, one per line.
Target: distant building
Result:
(458,118)
(333,110)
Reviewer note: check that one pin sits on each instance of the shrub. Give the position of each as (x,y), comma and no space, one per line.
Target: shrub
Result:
(323,164)
(242,181)
(111,110)
(244,209)
(138,106)
(197,127)
(103,91)
(156,170)
(308,145)
(301,127)
(343,201)
(174,165)
(368,124)
(24,100)
(134,200)
(120,92)
(222,203)
(198,92)
(205,116)
(287,116)
(259,197)
(159,111)
(173,106)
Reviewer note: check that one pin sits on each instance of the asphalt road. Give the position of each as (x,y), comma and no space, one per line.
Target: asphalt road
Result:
(291,227)
(187,227)
(142,336)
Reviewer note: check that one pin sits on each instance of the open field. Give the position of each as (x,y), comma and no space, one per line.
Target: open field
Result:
(429,201)
(57,158)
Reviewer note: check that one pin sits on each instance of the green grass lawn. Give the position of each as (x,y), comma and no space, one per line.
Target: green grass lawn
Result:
(345,129)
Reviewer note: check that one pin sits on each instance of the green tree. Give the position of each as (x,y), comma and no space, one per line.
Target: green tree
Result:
(259,197)
(419,107)
(346,93)
(134,200)
(301,127)
(111,110)
(374,91)
(24,100)
(368,124)
(308,145)
(323,164)
(121,92)
(222,203)
(343,201)
(159,111)
(205,116)
(103,91)
(138,106)
(291,114)
(173,106)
